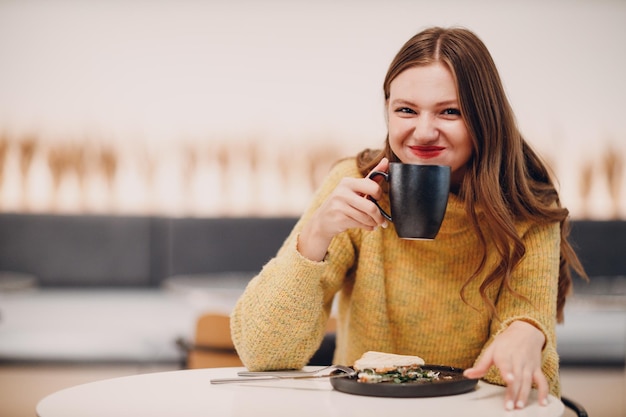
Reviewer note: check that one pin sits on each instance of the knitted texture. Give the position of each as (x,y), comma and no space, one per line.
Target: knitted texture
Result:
(397,296)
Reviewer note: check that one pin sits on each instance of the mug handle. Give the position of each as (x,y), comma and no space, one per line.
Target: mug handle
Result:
(369,197)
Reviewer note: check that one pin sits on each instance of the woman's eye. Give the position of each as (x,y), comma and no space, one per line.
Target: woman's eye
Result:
(452,112)
(405,110)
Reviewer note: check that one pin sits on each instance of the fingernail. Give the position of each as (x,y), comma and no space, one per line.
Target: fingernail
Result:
(510,377)
(544,402)
(520,404)
(385,224)
(509,405)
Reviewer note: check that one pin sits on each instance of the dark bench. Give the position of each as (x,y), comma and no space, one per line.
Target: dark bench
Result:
(119,251)
(88,252)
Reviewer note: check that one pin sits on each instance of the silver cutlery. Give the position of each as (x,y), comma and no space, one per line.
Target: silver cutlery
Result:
(287,372)
(246,376)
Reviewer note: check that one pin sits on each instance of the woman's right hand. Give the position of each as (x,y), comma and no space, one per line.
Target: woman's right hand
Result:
(345,208)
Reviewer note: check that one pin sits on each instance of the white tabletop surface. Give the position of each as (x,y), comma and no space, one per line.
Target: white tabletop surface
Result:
(190,393)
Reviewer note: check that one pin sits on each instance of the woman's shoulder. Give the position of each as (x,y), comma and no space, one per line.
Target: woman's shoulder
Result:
(340,169)
(527,227)
(345,167)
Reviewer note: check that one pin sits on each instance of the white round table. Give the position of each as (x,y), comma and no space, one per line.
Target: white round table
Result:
(189,393)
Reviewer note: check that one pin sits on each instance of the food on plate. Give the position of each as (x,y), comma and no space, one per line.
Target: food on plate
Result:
(376,367)
(382,362)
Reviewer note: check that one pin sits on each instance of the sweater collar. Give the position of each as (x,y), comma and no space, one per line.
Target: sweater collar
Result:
(455,219)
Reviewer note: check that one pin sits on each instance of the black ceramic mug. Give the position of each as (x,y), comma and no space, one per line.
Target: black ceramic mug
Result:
(418,196)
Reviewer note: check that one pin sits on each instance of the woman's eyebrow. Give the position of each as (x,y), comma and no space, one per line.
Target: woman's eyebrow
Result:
(401,101)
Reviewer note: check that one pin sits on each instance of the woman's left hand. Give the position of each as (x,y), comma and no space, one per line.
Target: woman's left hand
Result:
(516,352)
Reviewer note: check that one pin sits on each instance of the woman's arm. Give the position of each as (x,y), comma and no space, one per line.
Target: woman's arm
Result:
(523,345)
(280,319)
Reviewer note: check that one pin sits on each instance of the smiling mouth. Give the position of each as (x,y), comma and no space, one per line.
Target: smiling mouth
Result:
(427,151)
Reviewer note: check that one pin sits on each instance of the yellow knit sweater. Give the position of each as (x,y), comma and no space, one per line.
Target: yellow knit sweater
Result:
(394,295)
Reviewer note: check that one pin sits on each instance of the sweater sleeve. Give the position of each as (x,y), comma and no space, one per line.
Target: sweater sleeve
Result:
(535,280)
(280,319)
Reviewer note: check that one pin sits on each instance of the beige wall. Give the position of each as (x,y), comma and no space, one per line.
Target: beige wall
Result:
(290,76)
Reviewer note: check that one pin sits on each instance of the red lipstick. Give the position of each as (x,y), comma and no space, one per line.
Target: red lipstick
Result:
(427,152)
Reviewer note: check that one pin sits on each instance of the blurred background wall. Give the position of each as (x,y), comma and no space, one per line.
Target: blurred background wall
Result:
(213,108)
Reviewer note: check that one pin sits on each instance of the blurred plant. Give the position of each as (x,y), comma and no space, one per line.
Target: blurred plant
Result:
(254,156)
(614,169)
(146,159)
(4,150)
(585,183)
(222,155)
(59,162)
(189,171)
(77,163)
(190,165)
(27,147)
(108,165)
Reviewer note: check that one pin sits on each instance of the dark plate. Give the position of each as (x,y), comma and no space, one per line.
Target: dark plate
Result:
(456,384)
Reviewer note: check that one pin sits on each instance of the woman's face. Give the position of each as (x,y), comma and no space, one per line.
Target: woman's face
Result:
(425,122)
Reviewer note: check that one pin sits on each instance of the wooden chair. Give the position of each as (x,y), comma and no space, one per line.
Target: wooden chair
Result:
(213,347)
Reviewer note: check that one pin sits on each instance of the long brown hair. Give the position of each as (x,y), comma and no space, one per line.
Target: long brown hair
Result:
(505,178)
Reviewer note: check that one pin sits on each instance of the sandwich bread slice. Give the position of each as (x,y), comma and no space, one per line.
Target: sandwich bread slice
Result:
(375,367)
(383,362)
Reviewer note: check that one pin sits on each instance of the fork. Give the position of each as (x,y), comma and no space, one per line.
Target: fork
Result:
(268,376)
(286,372)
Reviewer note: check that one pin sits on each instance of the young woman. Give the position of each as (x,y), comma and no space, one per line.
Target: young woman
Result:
(485,295)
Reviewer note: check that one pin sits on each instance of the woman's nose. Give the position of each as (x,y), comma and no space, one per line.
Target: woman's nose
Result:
(425,128)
